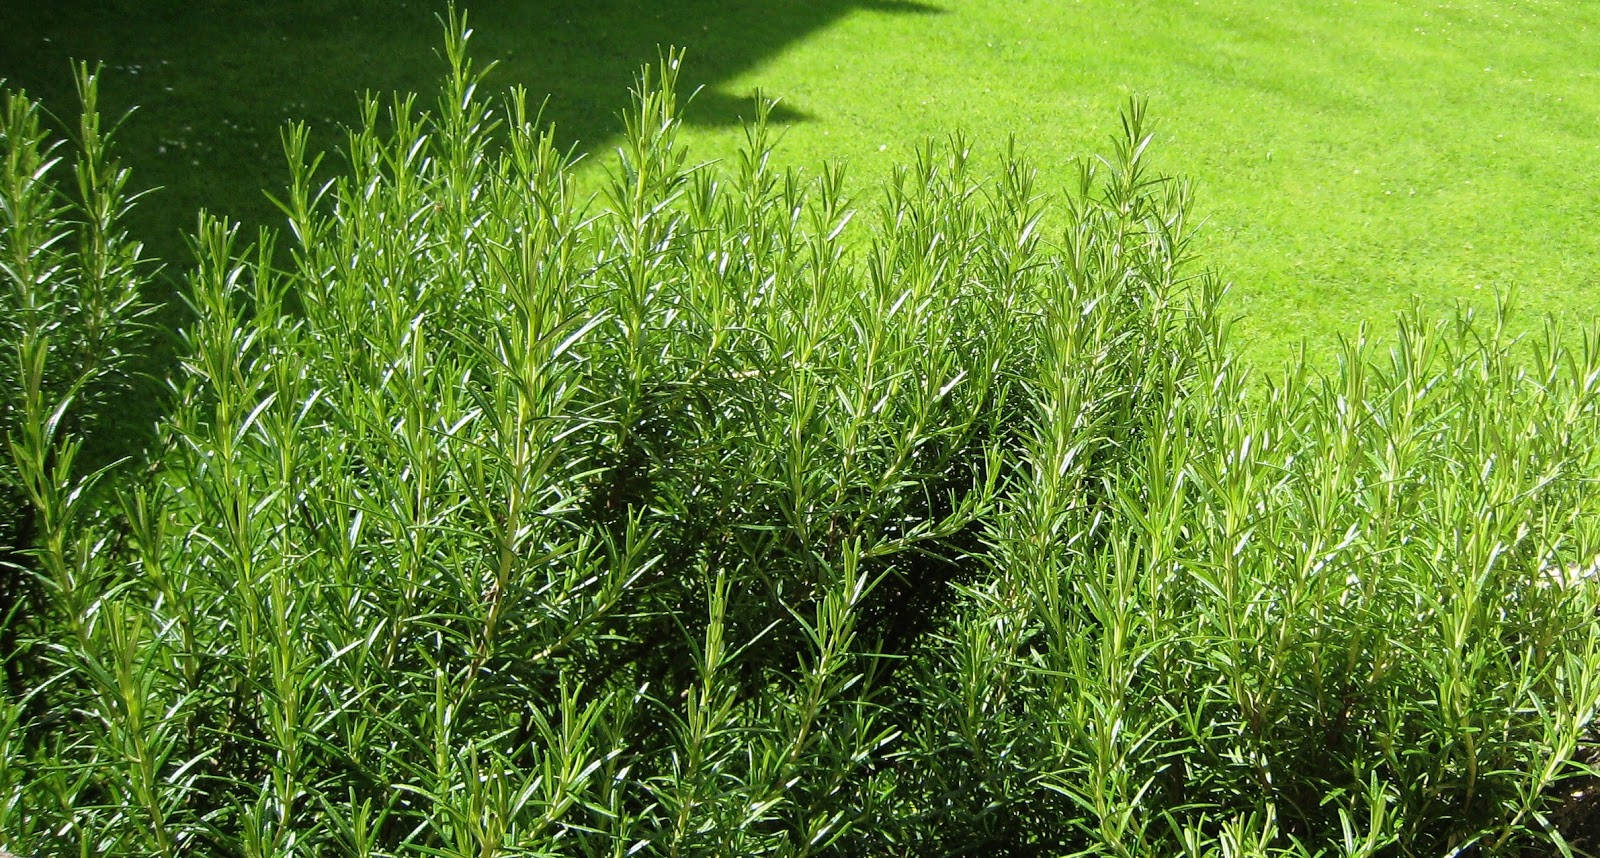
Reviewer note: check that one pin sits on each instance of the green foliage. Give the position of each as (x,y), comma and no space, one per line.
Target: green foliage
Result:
(701,519)
(70,320)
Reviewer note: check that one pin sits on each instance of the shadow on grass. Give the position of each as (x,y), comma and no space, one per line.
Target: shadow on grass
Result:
(215,80)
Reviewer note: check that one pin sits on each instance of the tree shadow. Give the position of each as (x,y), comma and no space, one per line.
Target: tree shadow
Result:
(214,80)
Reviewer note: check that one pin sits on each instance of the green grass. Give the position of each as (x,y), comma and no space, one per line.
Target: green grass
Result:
(1349,155)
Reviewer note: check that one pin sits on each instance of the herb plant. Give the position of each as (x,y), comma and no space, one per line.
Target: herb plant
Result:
(710,517)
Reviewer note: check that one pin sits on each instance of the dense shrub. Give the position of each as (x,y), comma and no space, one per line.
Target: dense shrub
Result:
(700,519)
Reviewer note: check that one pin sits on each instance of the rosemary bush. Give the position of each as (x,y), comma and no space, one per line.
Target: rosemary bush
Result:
(70,321)
(703,518)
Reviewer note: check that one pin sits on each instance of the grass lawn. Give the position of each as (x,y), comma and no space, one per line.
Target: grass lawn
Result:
(1349,155)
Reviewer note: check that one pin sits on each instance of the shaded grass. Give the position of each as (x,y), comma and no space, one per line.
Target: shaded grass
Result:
(214,84)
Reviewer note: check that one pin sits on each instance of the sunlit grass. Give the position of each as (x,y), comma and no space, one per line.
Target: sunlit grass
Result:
(1350,155)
